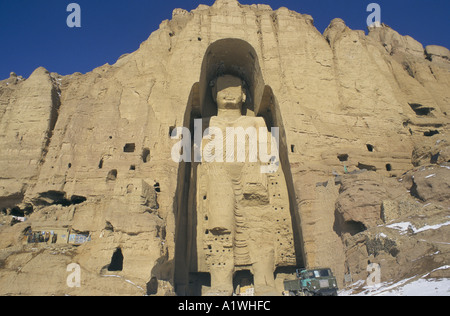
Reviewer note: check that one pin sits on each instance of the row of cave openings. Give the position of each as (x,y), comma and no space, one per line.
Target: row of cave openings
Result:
(130,148)
(242,279)
(45,198)
(421,111)
(370,148)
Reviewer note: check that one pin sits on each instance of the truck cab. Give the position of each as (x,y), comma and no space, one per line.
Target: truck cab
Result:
(312,282)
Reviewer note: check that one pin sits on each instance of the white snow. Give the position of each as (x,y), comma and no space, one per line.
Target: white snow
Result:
(440,268)
(433,227)
(421,287)
(403,227)
(414,286)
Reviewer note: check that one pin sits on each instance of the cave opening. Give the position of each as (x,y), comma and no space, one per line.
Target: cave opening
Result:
(112,175)
(431,133)
(145,155)
(362,166)
(421,110)
(152,286)
(16,211)
(116,261)
(129,148)
(343,157)
(242,282)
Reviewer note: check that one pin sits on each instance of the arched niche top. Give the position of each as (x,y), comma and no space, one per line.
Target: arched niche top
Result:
(235,57)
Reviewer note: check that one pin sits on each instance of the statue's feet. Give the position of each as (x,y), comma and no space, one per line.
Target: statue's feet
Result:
(217,292)
(266,291)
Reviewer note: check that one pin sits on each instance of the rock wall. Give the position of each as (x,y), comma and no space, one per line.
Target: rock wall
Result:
(92,152)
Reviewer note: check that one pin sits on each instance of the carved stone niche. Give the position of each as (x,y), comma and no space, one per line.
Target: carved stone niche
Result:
(230,216)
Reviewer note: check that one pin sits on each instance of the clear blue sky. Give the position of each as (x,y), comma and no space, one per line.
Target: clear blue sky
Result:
(34,33)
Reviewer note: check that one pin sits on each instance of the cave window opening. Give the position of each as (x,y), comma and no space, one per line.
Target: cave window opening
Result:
(421,110)
(434,159)
(354,227)
(77,199)
(292,148)
(366,167)
(152,286)
(430,133)
(146,155)
(157,187)
(116,261)
(100,164)
(132,167)
(129,148)
(242,281)
(388,167)
(370,147)
(17,212)
(112,175)
(343,157)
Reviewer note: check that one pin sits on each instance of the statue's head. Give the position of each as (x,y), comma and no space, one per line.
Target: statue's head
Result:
(229,93)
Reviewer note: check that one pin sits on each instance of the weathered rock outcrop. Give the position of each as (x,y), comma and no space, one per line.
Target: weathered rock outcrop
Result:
(411,239)
(90,153)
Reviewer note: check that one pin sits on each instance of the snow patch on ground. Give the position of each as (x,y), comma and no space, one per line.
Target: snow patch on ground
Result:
(404,227)
(414,286)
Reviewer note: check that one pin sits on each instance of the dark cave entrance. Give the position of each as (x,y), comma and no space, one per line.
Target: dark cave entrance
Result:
(242,281)
(116,261)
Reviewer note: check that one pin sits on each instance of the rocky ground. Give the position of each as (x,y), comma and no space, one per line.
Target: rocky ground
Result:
(406,226)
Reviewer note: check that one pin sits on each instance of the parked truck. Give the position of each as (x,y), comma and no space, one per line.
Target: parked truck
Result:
(312,282)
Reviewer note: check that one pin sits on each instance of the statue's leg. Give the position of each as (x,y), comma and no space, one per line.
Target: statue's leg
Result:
(263,270)
(221,201)
(221,281)
(221,204)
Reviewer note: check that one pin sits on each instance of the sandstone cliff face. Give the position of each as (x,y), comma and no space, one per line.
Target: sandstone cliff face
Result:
(92,152)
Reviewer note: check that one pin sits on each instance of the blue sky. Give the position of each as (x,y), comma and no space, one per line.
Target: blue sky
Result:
(34,33)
